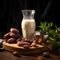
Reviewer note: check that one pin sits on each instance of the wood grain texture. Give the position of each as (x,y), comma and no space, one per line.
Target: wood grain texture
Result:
(5,55)
(22,50)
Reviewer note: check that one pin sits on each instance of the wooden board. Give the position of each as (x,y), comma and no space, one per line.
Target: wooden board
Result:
(22,50)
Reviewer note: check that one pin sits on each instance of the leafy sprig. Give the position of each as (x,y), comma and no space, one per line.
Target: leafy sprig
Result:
(54,34)
(45,26)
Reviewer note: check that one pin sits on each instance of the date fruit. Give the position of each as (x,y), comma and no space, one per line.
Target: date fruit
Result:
(19,39)
(15,53)
(6,36)
(14,30)
(14,35)
(46,54)
(33,44)
(20,43)
(27,40)
(26,46)
(11,40)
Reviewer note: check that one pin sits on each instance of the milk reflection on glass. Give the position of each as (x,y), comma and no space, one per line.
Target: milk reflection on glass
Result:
(28,24)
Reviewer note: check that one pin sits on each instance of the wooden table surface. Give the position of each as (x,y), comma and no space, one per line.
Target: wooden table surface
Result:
(5,55)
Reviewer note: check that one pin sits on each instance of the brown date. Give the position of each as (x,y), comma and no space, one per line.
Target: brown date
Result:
(6,36)
(14,35)
(15,53)
(14,30)
(11,40)
(33,44)
(27,40)
(19,43)
(26,46)
(19,39)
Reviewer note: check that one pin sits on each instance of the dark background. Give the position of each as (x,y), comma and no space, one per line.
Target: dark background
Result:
(11,16)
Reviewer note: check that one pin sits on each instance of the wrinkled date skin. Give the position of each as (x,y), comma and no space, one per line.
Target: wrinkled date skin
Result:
(14,30)
(33,44)
(6,36)
(26,46)
(20,43)
(11,40)
(14,35)
(15,53)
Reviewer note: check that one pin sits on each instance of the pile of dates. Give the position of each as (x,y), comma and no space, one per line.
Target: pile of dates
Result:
(13,36)
(26,43)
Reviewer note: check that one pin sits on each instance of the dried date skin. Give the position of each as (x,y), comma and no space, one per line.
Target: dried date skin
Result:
(19,39)
(14,35)
(33,44)
(26,46)
(46,54)
(14,30)
(15,53)
(6,36)
(27,40)
(20,43)
(11,40)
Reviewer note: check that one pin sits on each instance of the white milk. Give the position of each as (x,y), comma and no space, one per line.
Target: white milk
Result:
(28,28)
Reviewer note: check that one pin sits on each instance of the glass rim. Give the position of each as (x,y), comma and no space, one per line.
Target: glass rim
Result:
(33,11)
(27,10)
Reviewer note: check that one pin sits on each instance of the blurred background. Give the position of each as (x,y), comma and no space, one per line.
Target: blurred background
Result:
(11,16)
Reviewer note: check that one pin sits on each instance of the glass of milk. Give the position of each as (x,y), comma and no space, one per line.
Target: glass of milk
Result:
(28,24)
